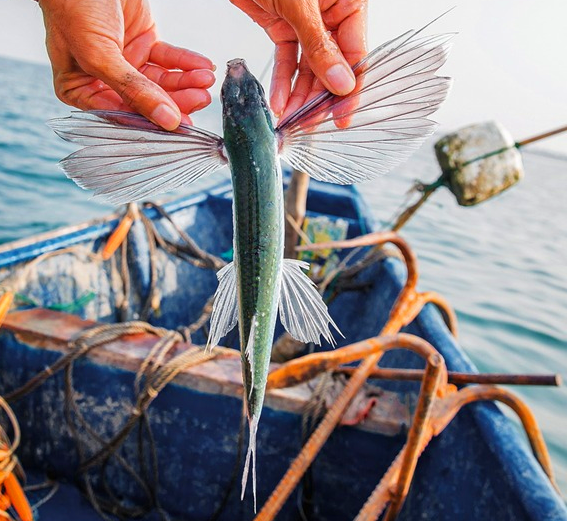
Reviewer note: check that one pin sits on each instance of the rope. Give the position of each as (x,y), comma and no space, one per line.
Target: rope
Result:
(8,460)
(152,376)
(189,250)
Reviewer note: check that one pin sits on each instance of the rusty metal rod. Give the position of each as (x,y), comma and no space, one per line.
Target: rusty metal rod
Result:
(544,135)
(526,416)
(433,376)
(333,416)
(314,444)
(463,378)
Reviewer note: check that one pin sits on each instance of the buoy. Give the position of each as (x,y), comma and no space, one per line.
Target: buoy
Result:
(479,162)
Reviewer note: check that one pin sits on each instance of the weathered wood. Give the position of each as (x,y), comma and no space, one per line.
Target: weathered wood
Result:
(295,203)
(46,329)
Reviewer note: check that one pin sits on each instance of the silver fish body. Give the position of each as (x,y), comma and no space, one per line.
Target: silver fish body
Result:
(258,214)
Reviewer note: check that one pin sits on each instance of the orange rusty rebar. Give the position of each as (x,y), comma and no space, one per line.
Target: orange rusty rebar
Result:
(406,308)
(446,310)
(307,367)
(432,379)
(443,412)
(314,444)
(385,373)
(404,304)
(454,403)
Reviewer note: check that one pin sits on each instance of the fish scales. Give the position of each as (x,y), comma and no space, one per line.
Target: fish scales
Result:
(258,215)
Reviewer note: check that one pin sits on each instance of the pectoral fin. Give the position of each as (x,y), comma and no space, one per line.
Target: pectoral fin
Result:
(127,158)
(302,310)
(225,309)
(347,139)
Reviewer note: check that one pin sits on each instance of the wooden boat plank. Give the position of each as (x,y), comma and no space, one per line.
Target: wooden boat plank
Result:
(46,329)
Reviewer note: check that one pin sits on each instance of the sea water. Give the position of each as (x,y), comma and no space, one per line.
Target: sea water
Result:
(502,264)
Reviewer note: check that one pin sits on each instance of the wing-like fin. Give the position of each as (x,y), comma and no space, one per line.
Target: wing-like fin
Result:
(128,158)
(302,310)
(225,309)
(364,134)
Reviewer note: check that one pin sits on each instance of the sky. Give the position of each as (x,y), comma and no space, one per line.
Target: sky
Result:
(508,61)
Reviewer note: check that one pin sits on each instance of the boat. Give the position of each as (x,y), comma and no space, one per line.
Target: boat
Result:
(124,415)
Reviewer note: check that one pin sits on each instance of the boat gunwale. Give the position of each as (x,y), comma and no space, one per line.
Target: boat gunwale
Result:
(27,248)
(45,329)
(526,477)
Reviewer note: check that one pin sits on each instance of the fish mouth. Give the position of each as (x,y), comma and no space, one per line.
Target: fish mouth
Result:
(236,68)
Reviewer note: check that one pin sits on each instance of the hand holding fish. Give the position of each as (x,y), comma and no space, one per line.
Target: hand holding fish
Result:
(106,55)
(332,37)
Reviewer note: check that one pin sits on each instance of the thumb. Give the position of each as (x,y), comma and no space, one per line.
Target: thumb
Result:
(322,52)
(138,92)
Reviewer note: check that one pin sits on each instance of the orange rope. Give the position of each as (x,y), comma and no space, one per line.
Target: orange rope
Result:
(120,232)
(11,492)
(5,302)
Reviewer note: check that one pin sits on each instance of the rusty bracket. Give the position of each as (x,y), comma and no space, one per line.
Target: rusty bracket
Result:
(391,489)
(430,417)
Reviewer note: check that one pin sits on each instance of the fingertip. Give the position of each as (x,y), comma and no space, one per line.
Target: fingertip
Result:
(165,116)
(277,101)
(202,98)
(186,120)
(340,79)
(343,123)
(204,79)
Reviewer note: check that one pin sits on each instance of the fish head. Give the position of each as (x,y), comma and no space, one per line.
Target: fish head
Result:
(241,93)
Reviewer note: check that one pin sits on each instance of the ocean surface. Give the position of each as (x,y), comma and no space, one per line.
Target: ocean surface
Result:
(502,265)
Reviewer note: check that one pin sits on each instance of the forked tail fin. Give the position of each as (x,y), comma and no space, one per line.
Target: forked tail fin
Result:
(250,458)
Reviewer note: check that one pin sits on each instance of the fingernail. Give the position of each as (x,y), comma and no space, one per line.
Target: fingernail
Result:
(341,79)
(202,78)
(277,102)
(164,116)
(201,98)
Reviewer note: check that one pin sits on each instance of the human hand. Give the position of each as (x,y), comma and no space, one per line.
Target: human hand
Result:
(332,36)
(105,54)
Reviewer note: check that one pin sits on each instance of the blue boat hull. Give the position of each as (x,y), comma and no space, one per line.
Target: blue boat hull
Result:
(478,468)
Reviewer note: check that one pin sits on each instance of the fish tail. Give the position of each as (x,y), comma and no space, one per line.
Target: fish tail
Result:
(250,458)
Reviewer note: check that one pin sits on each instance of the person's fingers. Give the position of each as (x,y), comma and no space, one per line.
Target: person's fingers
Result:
(186,120)
(351,35)
(178,80)
(191,100)
(285,66)
(322,52)
(172,57)
(86,94)
(301,88)
(138,92)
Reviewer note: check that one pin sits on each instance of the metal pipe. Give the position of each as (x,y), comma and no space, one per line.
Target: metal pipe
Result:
(463,378)
(432,378)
